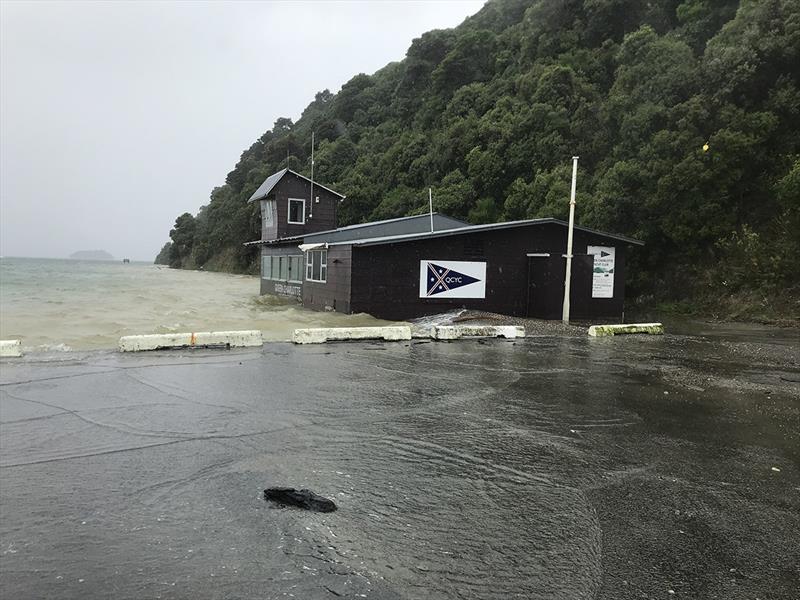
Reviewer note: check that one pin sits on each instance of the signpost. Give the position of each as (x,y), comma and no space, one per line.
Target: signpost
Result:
(603,271)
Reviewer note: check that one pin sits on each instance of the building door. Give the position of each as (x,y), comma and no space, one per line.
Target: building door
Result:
(580,291)
(546,285)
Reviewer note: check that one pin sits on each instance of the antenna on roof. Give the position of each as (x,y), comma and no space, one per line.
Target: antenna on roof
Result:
(430,205)
(311,198)
(287,156)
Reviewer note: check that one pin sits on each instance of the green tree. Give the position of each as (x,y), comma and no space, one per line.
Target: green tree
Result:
(182,235)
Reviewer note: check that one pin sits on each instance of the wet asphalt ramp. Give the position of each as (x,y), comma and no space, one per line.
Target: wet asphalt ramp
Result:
(546,468)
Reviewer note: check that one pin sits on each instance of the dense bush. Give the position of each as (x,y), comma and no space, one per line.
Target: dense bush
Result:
(489,114)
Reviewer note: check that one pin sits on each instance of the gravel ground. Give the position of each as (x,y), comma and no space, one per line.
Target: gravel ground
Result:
(532,326)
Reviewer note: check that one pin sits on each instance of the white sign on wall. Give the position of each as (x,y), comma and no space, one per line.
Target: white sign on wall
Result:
(603,271)
(452,279)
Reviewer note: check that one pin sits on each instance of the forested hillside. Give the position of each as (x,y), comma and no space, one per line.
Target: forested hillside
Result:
(490,113)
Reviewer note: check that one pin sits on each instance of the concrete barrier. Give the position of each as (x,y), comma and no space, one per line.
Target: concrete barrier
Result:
(604,330)
(10,348)
(340,334)
(454,332)
(229,339)
(423,333)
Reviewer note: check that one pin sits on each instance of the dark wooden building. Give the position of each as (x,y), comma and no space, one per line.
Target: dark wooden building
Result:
(400,269)
(291,206)
(289,220)
(514,268)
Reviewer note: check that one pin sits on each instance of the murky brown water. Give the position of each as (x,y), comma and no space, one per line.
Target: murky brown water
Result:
(80,305)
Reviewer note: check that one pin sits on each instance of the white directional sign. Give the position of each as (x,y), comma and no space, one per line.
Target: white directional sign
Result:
(603,271)
(452,279)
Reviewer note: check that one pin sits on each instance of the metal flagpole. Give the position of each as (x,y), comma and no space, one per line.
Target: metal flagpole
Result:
(311,204)
(430,204)
(568,277)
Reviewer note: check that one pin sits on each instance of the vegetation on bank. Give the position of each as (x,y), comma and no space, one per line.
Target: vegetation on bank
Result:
(685,114)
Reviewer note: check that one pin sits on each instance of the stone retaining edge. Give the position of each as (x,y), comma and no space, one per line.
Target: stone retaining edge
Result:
(11,348)
(320,335)
(454,332)
(604,330)
(230,339)
(403,332)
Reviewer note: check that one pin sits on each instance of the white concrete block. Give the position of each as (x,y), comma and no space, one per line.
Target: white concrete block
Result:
(231,339)
(10,348)
(339,334)
(422,332)
(454,332)
(604,330)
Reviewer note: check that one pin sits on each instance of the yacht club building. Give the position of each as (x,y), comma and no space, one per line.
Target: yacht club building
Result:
(413,266)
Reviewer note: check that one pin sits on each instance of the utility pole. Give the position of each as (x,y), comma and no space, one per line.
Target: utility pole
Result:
(568,278)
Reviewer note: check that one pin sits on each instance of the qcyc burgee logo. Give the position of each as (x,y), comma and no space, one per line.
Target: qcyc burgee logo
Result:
(452,279)
(442,279)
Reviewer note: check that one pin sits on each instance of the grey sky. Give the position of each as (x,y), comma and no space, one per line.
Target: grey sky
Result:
(117,117)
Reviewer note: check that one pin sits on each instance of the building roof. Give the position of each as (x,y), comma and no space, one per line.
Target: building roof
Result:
(388,227)
(392,239)
(373,229)
(270,182)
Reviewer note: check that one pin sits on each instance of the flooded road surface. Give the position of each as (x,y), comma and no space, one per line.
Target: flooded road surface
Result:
(550,467)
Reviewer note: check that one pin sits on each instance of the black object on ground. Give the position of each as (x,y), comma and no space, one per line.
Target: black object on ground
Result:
(300,498)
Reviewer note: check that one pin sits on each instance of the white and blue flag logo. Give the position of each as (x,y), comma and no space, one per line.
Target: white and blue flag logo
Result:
(452,279)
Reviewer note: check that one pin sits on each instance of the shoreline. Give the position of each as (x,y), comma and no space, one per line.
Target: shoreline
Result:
(748,337)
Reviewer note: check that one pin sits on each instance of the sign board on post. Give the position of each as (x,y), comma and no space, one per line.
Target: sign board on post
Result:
(603,271)
(452,279)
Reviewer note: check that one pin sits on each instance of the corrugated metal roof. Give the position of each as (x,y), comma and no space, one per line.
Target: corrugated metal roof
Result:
(270,182)
(395,220)
(265,188)
(391,239)
(360,230)
(285,240)
(400,226)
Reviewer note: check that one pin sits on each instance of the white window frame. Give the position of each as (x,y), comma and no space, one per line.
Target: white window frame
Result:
(323,266)
(289,211)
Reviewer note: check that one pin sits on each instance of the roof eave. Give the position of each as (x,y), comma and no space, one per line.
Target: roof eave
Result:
(481,228)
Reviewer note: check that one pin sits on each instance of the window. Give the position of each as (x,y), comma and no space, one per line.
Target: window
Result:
(266,267)
(296,268)
(297,211)
(317,265)
(267,209)
(282,268)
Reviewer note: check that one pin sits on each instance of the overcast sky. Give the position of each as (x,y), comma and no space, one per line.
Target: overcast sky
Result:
(116,117)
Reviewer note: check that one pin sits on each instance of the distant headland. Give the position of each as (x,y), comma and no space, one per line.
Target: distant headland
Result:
(91,255)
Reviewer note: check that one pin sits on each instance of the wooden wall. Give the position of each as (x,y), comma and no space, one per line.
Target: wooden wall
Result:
(324,211)
(385,278)
(335,293)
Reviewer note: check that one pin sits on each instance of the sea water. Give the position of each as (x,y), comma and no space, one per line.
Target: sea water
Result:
(53,304)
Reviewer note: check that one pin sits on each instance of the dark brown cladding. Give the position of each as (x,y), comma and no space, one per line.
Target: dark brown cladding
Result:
(334,294)
(320,212)
(385,278)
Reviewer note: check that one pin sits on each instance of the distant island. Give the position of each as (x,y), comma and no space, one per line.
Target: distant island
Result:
(91,255)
